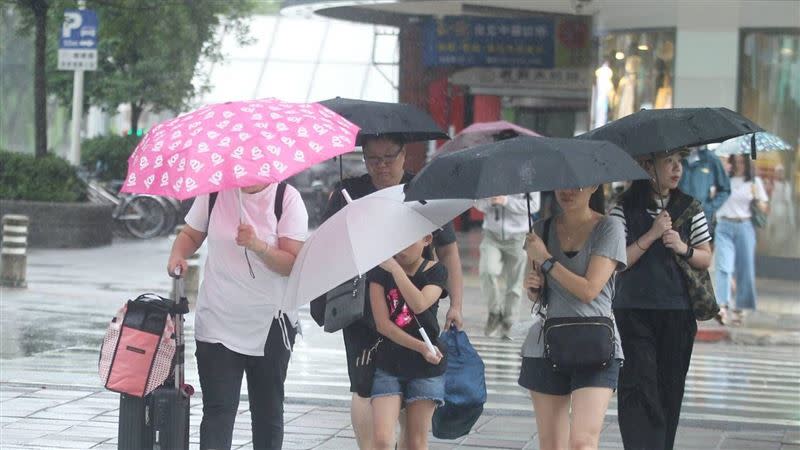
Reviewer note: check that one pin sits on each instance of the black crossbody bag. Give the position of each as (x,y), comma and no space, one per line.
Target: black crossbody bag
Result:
(576,343)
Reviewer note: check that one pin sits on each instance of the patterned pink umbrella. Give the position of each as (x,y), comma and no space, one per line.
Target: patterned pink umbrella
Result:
(236,144)
(482,133)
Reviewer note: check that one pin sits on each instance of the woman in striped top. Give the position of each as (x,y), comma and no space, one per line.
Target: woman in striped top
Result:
(652,306)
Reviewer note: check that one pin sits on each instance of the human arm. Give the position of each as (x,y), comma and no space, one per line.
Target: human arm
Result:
(186,244)
(760,195)
(419,300)
(701,255)
(387,328)
(640,245)
(278,259)
(450,258)
(586,288)
(533,282)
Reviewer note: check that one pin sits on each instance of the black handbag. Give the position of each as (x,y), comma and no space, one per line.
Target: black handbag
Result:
(345,304)
(579,343)
(364,369)
(576,343)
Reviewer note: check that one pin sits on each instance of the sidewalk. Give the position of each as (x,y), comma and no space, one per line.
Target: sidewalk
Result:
(41,417)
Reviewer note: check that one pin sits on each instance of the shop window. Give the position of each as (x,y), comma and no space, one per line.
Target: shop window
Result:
(635,70)
(769,94)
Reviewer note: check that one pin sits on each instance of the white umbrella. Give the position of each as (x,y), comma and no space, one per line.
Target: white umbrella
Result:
(363,234)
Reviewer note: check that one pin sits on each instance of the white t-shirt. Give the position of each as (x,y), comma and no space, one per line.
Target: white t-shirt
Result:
(737,206)
(233,308)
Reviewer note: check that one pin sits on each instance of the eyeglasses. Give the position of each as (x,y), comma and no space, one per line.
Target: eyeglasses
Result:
(386,159)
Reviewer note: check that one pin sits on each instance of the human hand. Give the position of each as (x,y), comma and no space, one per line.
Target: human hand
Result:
(454,319)
(391,265)
(176,261)
(246,237)
(672,240)
(536,249)
(661,224)
(433,358)
(533,280)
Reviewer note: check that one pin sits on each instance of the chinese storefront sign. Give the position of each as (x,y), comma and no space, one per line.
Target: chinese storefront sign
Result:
(536,42)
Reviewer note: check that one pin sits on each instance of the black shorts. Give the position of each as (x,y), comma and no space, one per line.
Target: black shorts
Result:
(538,375)
(357,337)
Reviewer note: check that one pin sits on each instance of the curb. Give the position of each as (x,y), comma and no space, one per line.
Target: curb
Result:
(712,334)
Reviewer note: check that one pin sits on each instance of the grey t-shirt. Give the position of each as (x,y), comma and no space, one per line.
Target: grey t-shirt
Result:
(606,239)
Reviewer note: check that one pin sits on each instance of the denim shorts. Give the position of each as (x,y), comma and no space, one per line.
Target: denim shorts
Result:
(538,375)
(409,389)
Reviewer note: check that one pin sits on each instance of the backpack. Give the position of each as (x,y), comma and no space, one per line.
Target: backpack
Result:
(212,198)
(139,346)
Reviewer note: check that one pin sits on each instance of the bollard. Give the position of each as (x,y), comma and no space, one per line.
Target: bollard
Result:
(192,275)
(14,251)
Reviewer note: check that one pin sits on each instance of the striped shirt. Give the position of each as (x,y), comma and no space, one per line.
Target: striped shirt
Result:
(699,231)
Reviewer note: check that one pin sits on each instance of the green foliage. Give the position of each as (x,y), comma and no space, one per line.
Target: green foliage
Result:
(148,50)
(46,179)
(111,152)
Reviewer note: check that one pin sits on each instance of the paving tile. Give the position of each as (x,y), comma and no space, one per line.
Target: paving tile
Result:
(338,443)
(791,437)
(477,442)
(745,444)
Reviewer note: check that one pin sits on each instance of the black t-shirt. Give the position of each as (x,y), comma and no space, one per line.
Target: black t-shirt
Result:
(362,186)
(394,358)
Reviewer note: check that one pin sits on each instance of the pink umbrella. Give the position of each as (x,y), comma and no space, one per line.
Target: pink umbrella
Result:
(482,133)
(236,144)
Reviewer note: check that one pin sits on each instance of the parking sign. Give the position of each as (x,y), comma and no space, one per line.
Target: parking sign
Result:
(77,40)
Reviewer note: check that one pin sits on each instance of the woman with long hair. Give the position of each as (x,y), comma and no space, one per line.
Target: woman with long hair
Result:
(735,239)
(652,306)
(578,253)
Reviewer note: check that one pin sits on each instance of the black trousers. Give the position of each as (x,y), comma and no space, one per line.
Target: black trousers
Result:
(658,348)
(221,373)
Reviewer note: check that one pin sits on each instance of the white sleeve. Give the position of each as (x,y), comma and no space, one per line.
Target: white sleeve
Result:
(761,193)
(197,217)
(699,233)
(294,220)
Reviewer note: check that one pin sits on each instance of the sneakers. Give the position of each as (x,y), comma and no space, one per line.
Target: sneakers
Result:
(492,324)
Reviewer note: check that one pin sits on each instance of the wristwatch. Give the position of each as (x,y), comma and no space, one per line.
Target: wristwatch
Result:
(547,265)
(689,253)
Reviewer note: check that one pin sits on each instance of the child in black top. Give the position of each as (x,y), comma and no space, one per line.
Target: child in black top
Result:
(404,293)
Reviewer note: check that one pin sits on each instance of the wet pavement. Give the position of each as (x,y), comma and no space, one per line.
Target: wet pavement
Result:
(51,331)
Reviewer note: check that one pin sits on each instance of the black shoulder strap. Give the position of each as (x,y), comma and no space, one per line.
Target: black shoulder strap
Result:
(546,230)
(212,199)
(682,208)
(279,200)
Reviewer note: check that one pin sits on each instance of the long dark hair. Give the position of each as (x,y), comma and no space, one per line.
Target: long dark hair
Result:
(640,196)
(748,168)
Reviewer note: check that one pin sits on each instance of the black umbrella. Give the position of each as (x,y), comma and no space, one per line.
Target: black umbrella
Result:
(520,165)
(663,130)
(378,118)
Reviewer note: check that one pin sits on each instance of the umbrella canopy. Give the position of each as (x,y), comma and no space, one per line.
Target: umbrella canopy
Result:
(522,164)
(765,142)
(663,130)
(236,144)
(376,118)
(483,133)
(363,234)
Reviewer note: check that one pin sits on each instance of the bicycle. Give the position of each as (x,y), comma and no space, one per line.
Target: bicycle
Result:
(140,215)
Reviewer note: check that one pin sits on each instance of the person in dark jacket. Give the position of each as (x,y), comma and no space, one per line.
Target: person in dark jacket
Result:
(652,307)
(705,179)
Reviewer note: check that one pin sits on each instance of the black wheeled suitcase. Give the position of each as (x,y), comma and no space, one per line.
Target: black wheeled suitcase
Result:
(160,420)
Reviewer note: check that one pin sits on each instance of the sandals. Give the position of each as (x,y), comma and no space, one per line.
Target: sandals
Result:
(722,315)
(737,317)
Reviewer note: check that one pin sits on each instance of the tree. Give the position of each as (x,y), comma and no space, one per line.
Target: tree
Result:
(148,52)
(35,15)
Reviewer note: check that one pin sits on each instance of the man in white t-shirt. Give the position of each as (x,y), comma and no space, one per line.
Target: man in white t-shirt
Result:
(239,327)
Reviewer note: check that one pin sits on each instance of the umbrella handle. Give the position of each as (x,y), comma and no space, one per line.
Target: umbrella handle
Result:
(530,218)
(346,196)
(427,340)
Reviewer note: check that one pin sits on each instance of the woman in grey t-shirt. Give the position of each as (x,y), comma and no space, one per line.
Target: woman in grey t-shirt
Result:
(584,249)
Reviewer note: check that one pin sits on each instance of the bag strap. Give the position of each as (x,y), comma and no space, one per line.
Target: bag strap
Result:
(683,204)
(279,194)
(546,240)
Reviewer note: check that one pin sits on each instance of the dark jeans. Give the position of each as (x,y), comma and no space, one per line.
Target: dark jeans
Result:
(221,372)
(658,348)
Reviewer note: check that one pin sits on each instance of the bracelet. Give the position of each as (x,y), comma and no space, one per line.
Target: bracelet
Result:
(689,253)
(640,247)
(266,247)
